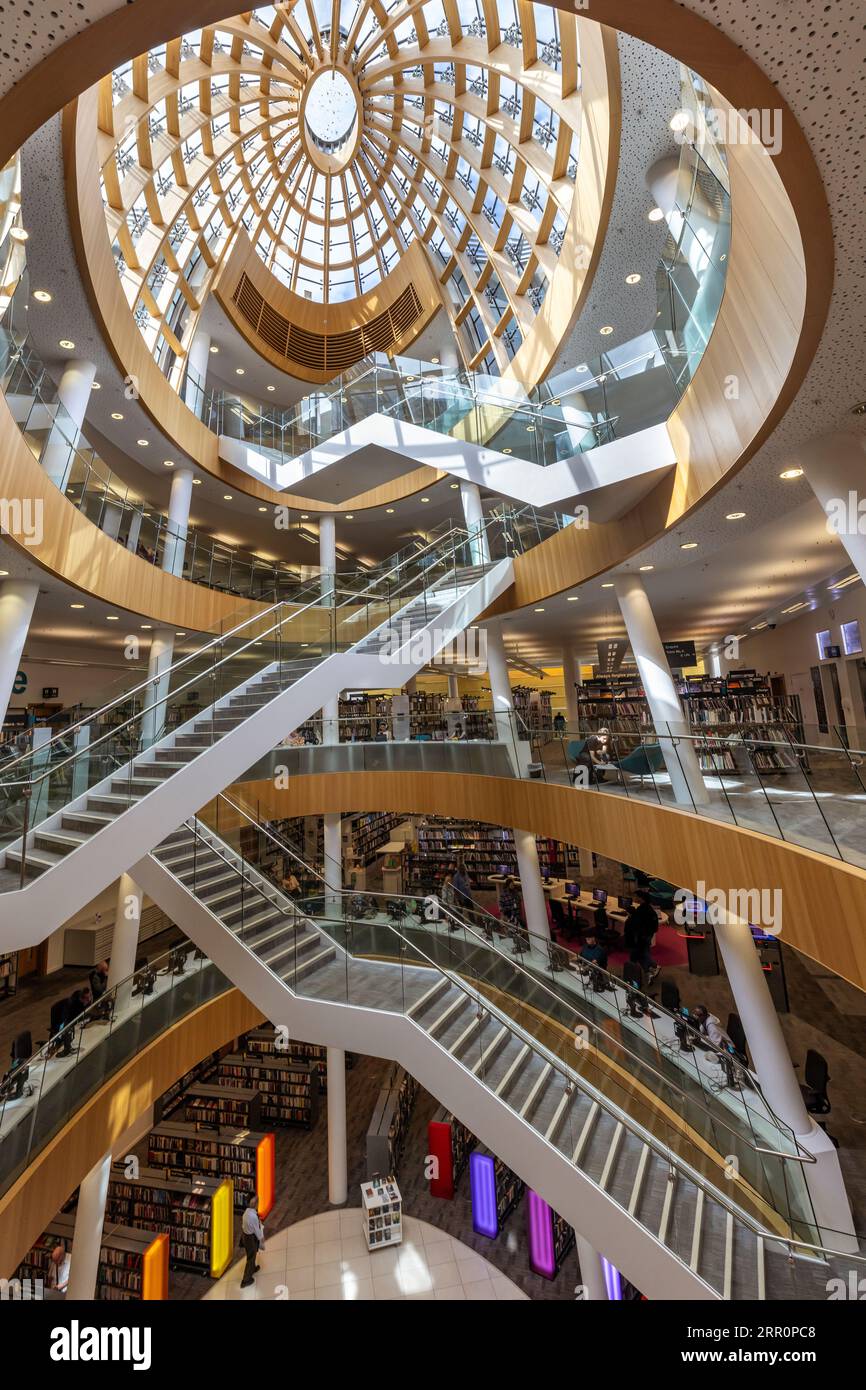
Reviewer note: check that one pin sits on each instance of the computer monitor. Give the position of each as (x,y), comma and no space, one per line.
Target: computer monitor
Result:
(599,895)
(545,872)
(504,869)
(574,890)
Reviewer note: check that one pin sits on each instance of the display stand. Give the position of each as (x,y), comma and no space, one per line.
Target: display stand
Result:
(383,1212)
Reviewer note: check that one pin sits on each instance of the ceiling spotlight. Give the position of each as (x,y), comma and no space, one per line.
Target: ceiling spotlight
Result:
(454,486)
(228,496)
(735,516)
(67,344)
(116,415)
(389,511)
(112,618)
(679,121)
(3,574)
(305,516)
(644,568)
(263,509)
(239,371)
(425,499)
(539,610)
(607,586)
(350,516)
(96,386)
(180,634)
(506,451)
(572,598)
(76,605)
(214,348)
(607,330)
(435,361)
(42,296)
(196,482)
(168,463)
(270,388)
(146,627)
(789,474)
(689,545)
(655,214)
(142,443)
(18,234)
(633,279)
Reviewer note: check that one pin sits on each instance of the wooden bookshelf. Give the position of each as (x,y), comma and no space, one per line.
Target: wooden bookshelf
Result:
(133,1263)
(262,1042)
(289,1088)
(239,1107)
(245,1156)
(485,850)
(195,1213)
(172,1099)
(392,1112)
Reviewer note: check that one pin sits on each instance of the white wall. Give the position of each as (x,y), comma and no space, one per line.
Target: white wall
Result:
(102,676)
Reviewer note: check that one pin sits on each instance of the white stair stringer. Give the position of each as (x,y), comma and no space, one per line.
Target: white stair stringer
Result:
(106,844)
(317,1009)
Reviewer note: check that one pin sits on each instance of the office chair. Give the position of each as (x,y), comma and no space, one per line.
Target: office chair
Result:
(737,1034)
(558,915)
(14,1084)
(632,973)
(59,1036)
(670,996)
(814,1091)
(22,1047)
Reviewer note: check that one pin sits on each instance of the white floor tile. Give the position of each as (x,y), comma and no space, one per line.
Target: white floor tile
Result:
(327,1251)
(472,1269)
(296,1256)
(480,1292)
(386,1286)
(457,1294)
(299,1279)
(444,1276)
(328,1273)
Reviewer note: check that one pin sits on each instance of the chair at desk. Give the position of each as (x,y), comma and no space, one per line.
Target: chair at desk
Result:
(63,1045)
(814,1091)
(670,996)
(737,1034)
(558,916)
(632,973)
(14,1084)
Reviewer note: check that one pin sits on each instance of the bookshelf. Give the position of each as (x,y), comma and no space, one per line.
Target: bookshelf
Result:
(133,1264)
(383,1212)
(262,1042)
(171,1099)
(496,1191)
(450,1143)
(392,1112)
(8,974)
(236,1106)
(485,849)
(289,1088)
(195,1213)
(550,1237)
(245,1156)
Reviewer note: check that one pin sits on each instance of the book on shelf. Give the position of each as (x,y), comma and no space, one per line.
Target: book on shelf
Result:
(386,1135)
(133,1263)
(245,1156)
(196,1214)
(382,1208)
(289,1088)
(262,1042)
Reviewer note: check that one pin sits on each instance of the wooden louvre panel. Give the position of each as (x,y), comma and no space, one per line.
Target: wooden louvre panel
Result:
(326,351)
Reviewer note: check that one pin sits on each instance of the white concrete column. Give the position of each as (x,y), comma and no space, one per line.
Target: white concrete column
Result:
(134,531)
(591,1271)
(570,676)
(453,688)
(328,552)
(73,390)
(17,601)
(124,941)
(835,468)
(158,664)
(473,512)
(196,376)
(87,1237)
(586,863)
(504,718)
(338,1180)
(333,866)
(681,759)
(772,1062)
(331,721)
(174,548)
(534,902)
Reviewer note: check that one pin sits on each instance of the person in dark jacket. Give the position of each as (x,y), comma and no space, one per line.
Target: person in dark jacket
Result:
(594,952)
(640,928)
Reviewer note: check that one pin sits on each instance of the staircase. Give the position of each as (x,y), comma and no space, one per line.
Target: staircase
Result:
(81,847)
(667,1228)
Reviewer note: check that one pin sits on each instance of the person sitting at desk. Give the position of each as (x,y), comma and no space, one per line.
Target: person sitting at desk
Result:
(710,1027)
(382,734)
(79,1000)
(509,902)
(593,951)
(99,979)
(559,722)
(458,735)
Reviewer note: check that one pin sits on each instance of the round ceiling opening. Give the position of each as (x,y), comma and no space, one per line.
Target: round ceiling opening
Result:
(331,110)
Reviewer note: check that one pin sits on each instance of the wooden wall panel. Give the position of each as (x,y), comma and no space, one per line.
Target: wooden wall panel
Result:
(823,900)
(34,1200)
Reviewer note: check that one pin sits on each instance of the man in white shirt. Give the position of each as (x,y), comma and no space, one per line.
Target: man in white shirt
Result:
(252,1239)
(58,1273)
(711,1027)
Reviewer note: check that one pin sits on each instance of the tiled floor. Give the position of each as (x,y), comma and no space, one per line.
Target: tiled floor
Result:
(326,1258)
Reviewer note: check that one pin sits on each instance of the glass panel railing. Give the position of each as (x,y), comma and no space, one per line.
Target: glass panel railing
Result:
(42,1093)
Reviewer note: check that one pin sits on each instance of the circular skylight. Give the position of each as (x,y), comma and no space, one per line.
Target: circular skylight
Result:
(330,109)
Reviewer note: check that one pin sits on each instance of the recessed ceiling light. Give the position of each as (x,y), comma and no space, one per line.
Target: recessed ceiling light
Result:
(116,415)
(350,516)
(679,120)
(228,496)
(790,473)
(647,567)
(607,586)
(67,344)
(96,386)
(689,545)
(239,371)
(112,618)
(582,368)
(607,330)
(655,214)
(18,234)
(453,486)
(735,516)
(389,511)
(633,279)
(168,463)
(305,516)
(423,499)
(180,634)
(435,361)
(539,610)
(146,627)
(263,509)
(142,443)
(214,348)
(506,451)
(270,388)
(572,598)
(42,296)
(76,605)
(3,574)
(196,482)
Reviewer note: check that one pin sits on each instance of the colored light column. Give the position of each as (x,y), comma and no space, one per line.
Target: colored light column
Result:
(154,1270)
(539,1226)
(612,1280)
(482,1184)
(439,1148)
(265,1174)
(222,1228)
